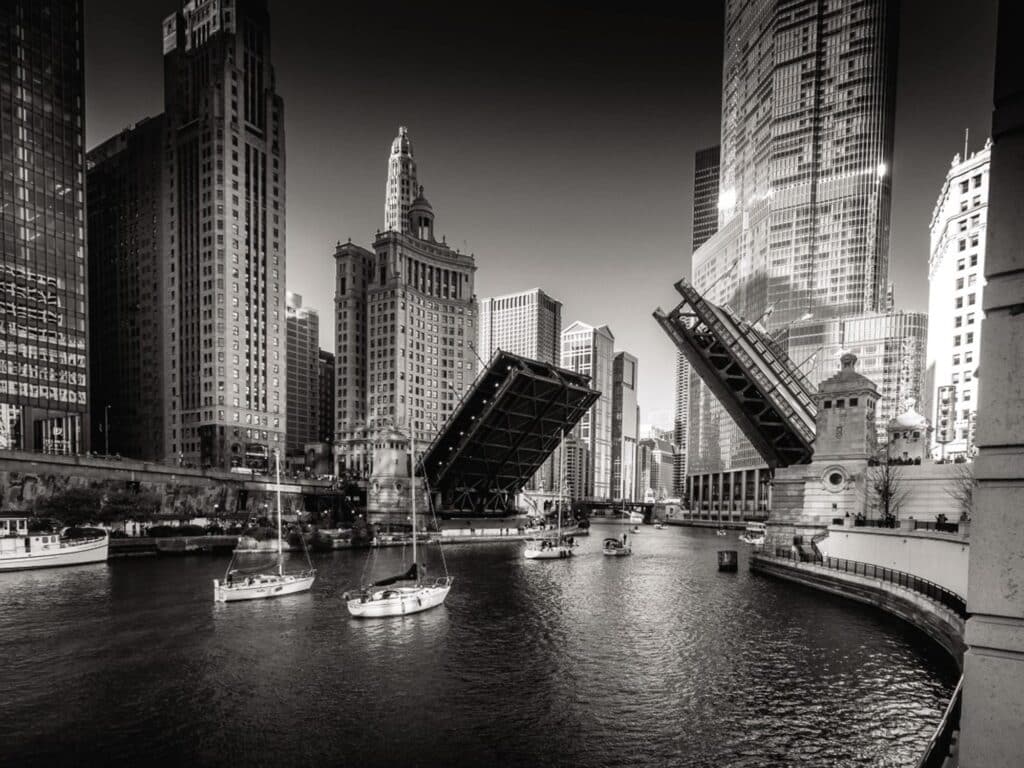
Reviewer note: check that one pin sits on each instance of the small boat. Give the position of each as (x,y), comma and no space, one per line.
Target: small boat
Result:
(616,547)
(636,529)
(754,534)
(659,526)
(238,586)
(408,592)
(560,546)
(728,560)
(721,532)
(21,550)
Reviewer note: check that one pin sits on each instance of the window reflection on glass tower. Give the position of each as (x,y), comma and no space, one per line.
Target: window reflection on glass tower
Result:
(808,103)
(225,236)
(43,373)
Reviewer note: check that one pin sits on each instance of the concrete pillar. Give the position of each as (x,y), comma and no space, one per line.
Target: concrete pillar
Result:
(757,491)
(993,706)
(743,492)
(721,493)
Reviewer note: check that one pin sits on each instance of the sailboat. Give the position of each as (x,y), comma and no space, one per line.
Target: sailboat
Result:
(559,547)
(259,586)
(396,596)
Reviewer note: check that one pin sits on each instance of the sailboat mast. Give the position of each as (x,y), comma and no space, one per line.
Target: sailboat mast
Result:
(280,548)
(412,490)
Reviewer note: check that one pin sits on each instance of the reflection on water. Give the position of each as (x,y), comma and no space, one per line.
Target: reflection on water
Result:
(652,659)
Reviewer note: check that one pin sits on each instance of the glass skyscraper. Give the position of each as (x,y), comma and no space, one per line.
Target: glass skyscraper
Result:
(43,295)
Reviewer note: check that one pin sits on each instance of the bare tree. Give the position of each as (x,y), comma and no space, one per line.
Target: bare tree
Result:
(887,490)
(961,489)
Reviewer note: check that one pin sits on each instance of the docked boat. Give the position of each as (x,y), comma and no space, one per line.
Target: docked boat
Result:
(408,592)
(560,546)
(241,584)
(21,550)
(616,547)
(754,534)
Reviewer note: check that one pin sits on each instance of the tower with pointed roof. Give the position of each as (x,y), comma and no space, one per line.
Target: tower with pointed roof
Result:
(401,184)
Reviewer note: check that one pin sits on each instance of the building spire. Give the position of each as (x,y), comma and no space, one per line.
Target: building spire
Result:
(401,185)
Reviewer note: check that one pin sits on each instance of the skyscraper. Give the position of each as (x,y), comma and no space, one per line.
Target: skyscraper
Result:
(401,188)
(406,318)
(589,350)
(325,371)
(625,426)
(43,335)
(705,224)
(225,236)
(956,286)
(528,323)
(126,238)
(808,104)
(303,337)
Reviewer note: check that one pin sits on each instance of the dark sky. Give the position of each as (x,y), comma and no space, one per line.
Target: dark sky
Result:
(554,144)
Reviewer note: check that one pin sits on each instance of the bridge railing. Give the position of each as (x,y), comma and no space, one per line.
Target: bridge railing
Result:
(929,589)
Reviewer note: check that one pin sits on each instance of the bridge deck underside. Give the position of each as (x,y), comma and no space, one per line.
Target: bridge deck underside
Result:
(755,381)
(503,431)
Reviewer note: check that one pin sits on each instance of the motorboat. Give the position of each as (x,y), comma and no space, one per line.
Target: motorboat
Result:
(659,526)
(240,584)
(21,550)
(754,534)
(616,547)
(721,532)
(560,546)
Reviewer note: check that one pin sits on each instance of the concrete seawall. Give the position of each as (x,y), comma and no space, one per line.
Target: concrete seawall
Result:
(943,625)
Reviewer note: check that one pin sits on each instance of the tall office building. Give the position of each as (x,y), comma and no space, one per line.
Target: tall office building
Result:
(890,349)
(625,426)
(589,350)
(655,463)
(956,286)
(528,323)
(43,336)
(808,105)
(225,236)
(401,188)
(325,373)
(303,356)
(706,166)
(126,333)
(406,319)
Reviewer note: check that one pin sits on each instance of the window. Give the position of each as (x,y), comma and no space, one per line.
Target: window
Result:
(963,228)
(977,181)
(972,279)
(959,302)
(974,259)
(958,321)
(963,245)
(970,337)
(959,264)
(956,359)
(853,402)
(970,318)
(959,283)
(956,378)
(964,185)
(970,298)
(956,341)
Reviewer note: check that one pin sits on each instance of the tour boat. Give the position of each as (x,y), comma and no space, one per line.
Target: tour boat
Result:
(21,550)
(754,534)
(616,547)
(559,547)
(247,585)
(408,592)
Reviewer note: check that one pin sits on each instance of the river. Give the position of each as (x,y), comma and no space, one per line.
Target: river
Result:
(655,659)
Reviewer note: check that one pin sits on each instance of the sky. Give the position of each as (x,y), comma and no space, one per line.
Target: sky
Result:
(554,144)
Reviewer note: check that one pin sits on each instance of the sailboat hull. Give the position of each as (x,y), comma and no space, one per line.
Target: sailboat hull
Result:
(262,587)
(399,601)
(555,553)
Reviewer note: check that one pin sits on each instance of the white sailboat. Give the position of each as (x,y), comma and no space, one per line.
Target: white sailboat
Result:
(259,586)
(560,547)
(396,596)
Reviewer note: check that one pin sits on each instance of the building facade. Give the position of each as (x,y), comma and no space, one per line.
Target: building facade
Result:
(325,374)
(126,361)
(406,325)
(590,351)
(528,323)
(44,387)
(625,426)
(808,108)
(224,237)
(655,462)
(890,350)
(956,285)
(303,357)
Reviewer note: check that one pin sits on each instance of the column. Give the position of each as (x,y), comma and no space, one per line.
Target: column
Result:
(994,661)
(721,493)
(757,491)
(743,493)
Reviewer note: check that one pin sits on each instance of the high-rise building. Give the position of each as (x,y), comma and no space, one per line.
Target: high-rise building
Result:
(406,320)
(956,285)
(325,373)
(43,336)
(126,361)
(401,187)
(589,350)
(528,323)
(303,335)
(706,166)
(655,465)
(890,350)
(225,236)
(808,107)
(625,426)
